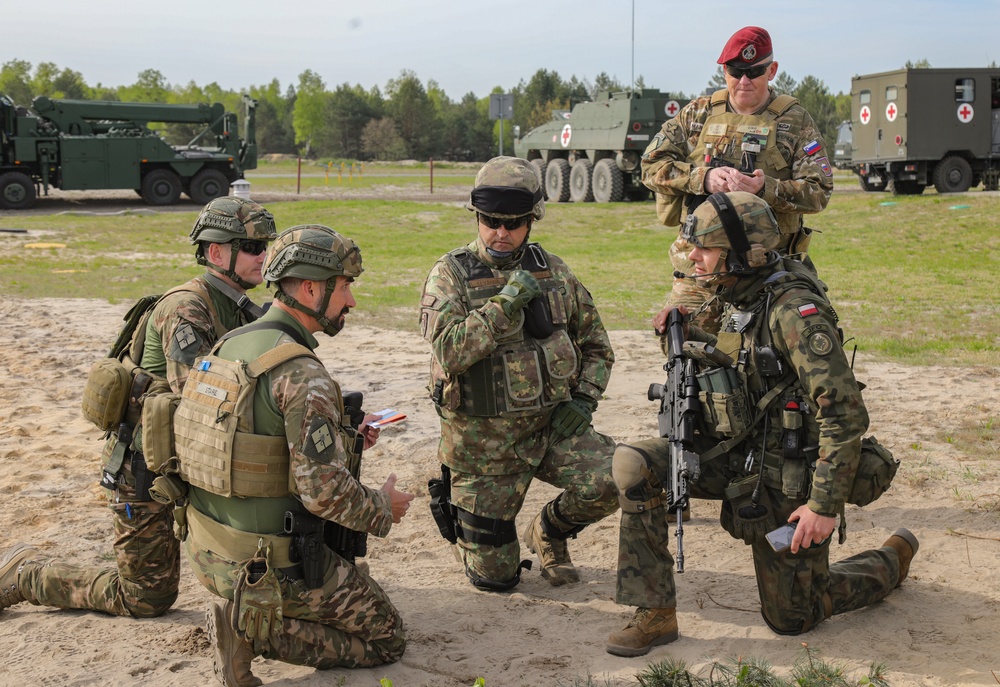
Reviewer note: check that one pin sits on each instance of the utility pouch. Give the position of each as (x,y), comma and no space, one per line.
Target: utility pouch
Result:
(741,518)
(441,509)
(257,602)
(876,470)
(167,489)
(538,318)
(105,394)
(158,429)
(142,475)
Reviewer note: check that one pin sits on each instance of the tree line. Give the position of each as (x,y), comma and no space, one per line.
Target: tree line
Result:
(404,119)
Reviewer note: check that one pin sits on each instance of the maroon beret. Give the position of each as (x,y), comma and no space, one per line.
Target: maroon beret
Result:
(749,45)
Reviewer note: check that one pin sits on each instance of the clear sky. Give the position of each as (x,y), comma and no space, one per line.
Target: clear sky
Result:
(472,46)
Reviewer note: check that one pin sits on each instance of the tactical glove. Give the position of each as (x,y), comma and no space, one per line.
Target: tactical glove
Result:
(257,613)
(573,417)
(520,289)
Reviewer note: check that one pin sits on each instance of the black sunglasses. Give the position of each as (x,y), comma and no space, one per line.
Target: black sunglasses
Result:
(253,247)
(749,72)
(509,223)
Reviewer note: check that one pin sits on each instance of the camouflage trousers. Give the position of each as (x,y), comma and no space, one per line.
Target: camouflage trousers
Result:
(348,622)
(579,465)
(791,587)
(144,583)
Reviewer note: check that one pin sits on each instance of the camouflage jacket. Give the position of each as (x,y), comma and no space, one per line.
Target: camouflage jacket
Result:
(802,328)
(669,167)
(460,338)
(300,400)
(183,327)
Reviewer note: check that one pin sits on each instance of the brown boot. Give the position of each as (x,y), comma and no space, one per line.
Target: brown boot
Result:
(231,655)
(906,545)
(649,627)
(11,565)
(557,567)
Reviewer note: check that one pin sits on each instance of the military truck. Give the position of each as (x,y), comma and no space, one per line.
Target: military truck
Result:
(98,144)
(842,149)
(592,152)
(916,127)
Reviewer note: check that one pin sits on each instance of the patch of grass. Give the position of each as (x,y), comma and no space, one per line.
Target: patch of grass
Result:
(913,282)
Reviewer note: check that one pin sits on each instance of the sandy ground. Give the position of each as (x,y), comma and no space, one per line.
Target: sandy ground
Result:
(939,628)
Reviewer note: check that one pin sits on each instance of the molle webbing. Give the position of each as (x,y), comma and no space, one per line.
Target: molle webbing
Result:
(217,450)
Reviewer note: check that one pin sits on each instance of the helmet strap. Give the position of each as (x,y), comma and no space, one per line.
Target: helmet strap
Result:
(230,273)
(330,327)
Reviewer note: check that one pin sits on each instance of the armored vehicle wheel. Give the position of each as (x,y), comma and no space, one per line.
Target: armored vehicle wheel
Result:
(207,185)
(870,186)
(906,188)
(17,191)
(608,182)
(580,188)
(539,165)
(953,175)
(557,180)
(161,187)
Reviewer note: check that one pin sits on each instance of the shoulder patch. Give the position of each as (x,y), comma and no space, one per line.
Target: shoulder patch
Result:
(784,126)
(428,300)
(320,442)
(824,165)
(808,309)
(820,343)
(812,147)
(185,336)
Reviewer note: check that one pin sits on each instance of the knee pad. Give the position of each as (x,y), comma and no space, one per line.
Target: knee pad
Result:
(638,488)
(487,585)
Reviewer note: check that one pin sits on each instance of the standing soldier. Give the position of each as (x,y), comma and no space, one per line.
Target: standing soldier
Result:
(520,359)
(778,440)
(231,235)
(743,138)
(265,443)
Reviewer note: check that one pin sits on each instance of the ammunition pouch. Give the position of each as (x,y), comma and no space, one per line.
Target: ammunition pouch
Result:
(876,470)
(158,429)
(442,509)
(538,318)
(741,518)
(799,245)
(724,404)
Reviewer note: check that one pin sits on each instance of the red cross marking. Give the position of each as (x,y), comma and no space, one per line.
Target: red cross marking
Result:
(892,111)
(865,114)
(672,108)
(566,133)
(965,113)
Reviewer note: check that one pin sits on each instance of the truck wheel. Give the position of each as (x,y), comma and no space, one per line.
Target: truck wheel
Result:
(608,182)
(17,191)
(161,187)
(906,188)
(539,165)
(557,180)
(580,176)
(870,186)
(953,175)
(207,185)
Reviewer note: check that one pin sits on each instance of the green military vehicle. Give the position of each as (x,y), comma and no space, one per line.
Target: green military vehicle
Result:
(842,149)
(593,152)
(915,127)
(97,144)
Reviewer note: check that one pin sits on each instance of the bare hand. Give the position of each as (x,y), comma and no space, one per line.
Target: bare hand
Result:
(368,432)
(399,500)
(660,319)
(742,182)
(812,528)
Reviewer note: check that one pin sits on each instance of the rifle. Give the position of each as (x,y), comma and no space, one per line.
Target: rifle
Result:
(678,407)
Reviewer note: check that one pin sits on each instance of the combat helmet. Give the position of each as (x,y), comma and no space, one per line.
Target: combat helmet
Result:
(741,224)
(507,187)
(234,221)
(317,253)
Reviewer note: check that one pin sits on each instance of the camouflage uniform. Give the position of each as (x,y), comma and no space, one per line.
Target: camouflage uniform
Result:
(181,328)
(799,178)
(494,459)
(348,621)
(781,306)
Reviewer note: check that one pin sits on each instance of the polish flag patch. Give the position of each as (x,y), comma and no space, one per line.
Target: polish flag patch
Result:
(807,310)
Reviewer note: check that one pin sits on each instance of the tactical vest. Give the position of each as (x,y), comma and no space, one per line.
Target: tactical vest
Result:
(722,138)
(214,438)
(523,374)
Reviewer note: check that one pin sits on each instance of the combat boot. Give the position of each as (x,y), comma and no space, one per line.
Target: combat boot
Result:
(553,554)
(11,565)
(231,654)
(906,545)
(649,627)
